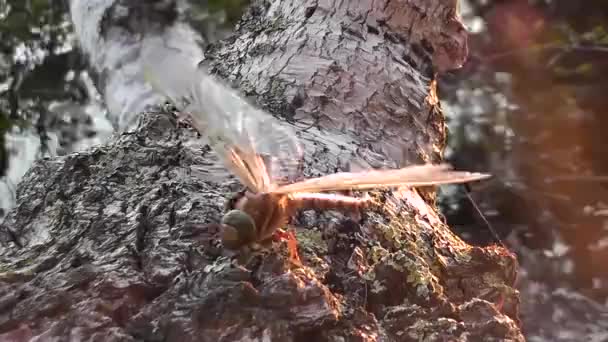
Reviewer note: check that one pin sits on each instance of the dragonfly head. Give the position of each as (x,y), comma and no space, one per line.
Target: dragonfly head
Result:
(238,229)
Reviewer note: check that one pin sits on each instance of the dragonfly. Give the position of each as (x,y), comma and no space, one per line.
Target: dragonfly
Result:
(263,153)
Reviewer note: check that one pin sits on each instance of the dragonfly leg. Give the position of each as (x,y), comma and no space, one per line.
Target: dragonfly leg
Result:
(248,252)
(288,236)
(280,234)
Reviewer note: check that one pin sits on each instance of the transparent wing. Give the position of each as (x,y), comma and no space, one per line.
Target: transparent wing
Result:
(238,132)
(420,175)
(169,69)
(232,123)
(248,168)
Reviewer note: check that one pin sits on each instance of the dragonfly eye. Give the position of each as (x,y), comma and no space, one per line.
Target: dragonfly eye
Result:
(238,228)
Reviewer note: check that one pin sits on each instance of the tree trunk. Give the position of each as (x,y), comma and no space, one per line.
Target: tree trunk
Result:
(110,244)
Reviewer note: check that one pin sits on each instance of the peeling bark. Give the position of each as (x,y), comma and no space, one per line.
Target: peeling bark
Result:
(118,242)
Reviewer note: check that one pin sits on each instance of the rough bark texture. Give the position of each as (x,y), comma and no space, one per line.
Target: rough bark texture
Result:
(362,67)
(112,242)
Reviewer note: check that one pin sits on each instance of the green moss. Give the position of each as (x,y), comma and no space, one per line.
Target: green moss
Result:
(376,254)
(462,257)
(419,274)
(399,232)
(311,241)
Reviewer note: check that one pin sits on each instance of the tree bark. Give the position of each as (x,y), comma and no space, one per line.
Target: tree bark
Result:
(112,244)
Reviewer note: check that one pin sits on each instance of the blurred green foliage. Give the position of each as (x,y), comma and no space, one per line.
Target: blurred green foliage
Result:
(215,19)
(232,9)
(40,65)
(35,56)
(32,23)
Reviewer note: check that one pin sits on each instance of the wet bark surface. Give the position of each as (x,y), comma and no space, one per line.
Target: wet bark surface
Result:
(119,243)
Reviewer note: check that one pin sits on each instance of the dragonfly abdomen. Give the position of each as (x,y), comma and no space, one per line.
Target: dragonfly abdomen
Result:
(322,201)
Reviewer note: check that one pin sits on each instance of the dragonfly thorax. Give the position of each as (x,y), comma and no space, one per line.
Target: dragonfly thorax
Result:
(265,212)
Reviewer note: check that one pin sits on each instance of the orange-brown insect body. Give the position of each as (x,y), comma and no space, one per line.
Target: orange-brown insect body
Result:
(270,211)
(259,150)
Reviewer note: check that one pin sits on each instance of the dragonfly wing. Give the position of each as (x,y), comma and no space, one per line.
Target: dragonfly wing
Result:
(241,167)
(168,69)
(232,123)
(236,130)
(420,175)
